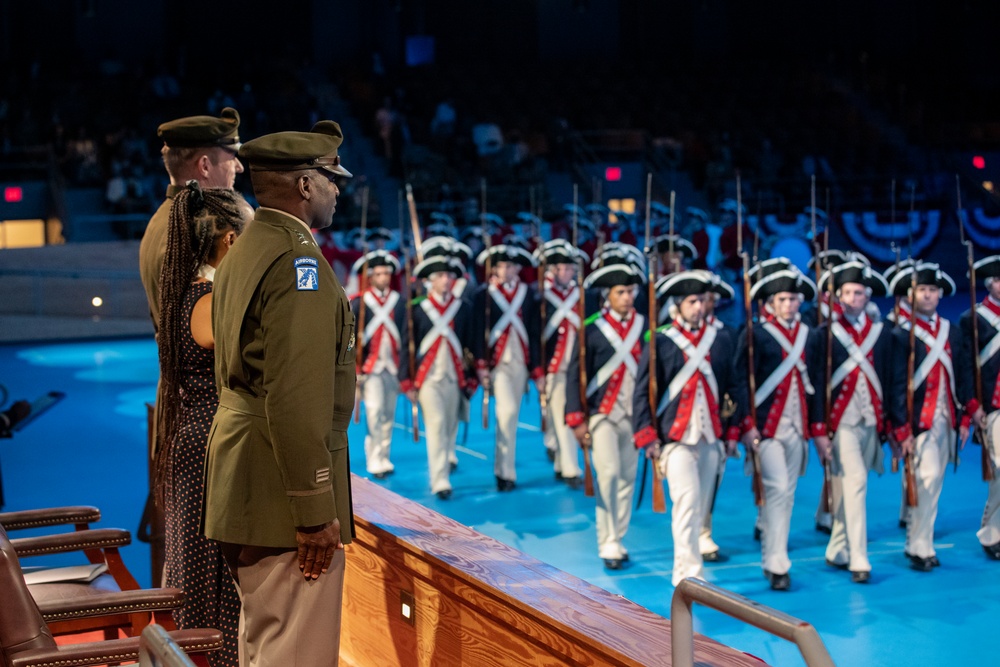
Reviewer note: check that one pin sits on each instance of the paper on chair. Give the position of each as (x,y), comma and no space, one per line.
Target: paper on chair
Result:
(76,573)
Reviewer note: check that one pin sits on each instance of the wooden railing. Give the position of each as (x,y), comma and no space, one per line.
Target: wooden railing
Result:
(421,589)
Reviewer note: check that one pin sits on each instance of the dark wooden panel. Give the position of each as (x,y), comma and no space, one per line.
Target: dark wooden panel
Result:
(480,602)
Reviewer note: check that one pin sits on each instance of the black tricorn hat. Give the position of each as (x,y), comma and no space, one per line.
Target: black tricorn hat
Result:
(786,280)
(928,273)
(614,275)
(685,247)
(376,258)
(763,269)
(684,283)
(558,253)
(446,246)
(987,267)
(890,273)
(854,272)
(436,264)
(506,253)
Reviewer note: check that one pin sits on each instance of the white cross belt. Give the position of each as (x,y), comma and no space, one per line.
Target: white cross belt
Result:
(697,360)
(793,360)
(381,315)
(509,311)
(623,351)
(441,326)
(565,310)
(857,356)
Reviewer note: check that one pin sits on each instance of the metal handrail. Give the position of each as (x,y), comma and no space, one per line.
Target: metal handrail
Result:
(778,623)
(157,649)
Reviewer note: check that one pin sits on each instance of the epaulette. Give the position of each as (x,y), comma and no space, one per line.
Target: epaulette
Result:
(591,319)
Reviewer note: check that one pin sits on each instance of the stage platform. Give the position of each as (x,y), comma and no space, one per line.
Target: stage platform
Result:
(90,449)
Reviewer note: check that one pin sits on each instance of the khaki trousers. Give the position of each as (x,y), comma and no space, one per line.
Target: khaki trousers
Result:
(854,448)
(441,403)
(616,462)
(781,464)
(286,621)
(509,382)
(931,451)
(690,473)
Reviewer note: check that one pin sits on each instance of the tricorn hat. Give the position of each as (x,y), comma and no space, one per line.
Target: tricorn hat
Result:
(436,264)
(614,275)
(987,267)
(854,272)
(505,253)
(376,258)
(786,280)
(927,273)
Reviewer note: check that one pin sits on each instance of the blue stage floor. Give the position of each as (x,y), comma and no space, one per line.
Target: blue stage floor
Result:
(90,449)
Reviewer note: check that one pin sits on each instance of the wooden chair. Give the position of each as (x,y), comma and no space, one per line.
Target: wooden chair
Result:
(26,641)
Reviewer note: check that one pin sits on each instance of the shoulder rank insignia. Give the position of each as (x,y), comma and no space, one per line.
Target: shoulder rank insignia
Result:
(306,274)
(302,239)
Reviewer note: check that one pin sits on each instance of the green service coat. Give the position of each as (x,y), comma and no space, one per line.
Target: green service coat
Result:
(284,364)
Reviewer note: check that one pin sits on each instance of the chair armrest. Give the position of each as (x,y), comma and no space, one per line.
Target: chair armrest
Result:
(113,651)
(52,516)
(81,540)
(106,604)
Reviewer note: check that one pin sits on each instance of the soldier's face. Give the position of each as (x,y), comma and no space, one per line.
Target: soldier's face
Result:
(994,288)
(563,274)
(325,192)
(786,304)
(853,298)
(926,299)
(442,282)
(222,167)
(380,277)
(506,272)
(692,309)
(621,298)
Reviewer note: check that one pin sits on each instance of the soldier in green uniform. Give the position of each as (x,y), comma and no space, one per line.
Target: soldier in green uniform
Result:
(199,148)
(277,477)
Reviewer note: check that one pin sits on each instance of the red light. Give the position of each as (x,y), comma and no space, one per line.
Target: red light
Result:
(613,174)
(979,162)
(13,194)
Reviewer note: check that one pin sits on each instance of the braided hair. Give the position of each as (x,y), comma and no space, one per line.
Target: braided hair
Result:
(197,218)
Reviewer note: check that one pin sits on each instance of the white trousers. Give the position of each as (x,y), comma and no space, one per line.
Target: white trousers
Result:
(854,450)
(781,464)
(989,532)
(930,460)
(559,437)
(616,461)
(690,473)
(441,403)
(380,392)
(509,382)
(711,479)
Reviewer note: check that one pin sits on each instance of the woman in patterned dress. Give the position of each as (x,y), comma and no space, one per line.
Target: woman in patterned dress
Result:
(203,225)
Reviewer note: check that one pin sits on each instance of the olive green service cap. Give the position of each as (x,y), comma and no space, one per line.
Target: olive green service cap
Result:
(297,151)
(203,131)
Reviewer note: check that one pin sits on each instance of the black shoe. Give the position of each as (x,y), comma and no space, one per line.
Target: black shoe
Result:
(453,465)
(713,557)
(613,563)
(381,475)
(839,566)
(992,551)
(823,529)
(921,564)
(933,560)
(573,482)
(551,455)
(625,558)
(558,476)
(444,495)
(505,484)
(902,524)
(756,533)
(779,582)
(860,577)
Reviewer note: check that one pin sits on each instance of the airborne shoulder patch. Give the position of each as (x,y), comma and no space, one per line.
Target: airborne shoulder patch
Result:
(306,274)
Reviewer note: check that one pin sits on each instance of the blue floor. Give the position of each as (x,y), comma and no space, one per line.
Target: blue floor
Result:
(90,449)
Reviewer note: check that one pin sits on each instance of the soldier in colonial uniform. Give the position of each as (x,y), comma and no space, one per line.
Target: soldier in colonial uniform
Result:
(942,399)
(277,474)
(561,295)
(899,313)
(380,339)
(506,348)
(787,408)
(685,437)
(441,330)
(860,384)
(613,347)
(988,321)
(445,246)
(676,259)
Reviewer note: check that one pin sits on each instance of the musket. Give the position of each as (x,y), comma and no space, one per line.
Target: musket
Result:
(670,235)
(408,301)
(816,247)
(581,340)
(977,373)
(911,478)
(659,497)
(826,503)
(414,224)
(757,483)
(362,287)
(542,397)
(487,275)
